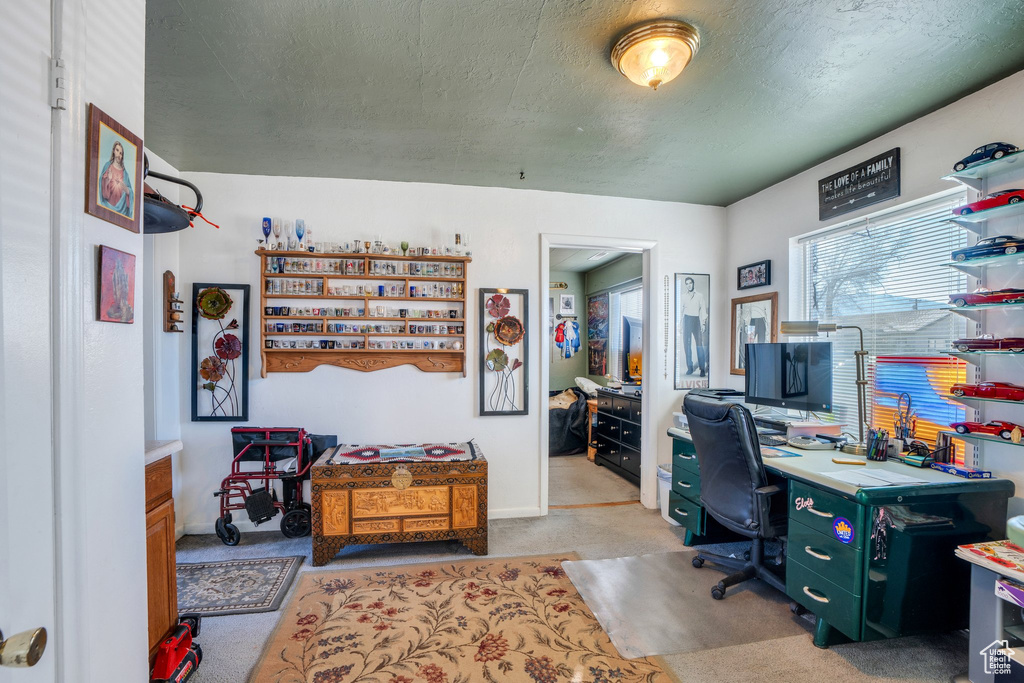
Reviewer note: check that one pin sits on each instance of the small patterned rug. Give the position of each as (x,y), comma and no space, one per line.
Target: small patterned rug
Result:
(490,620)
(216,589)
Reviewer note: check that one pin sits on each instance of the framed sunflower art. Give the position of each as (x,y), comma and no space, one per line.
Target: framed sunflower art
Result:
(220,352)
(504,352)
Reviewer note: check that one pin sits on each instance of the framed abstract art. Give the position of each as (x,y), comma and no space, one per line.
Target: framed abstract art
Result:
(504,351)
(220,352)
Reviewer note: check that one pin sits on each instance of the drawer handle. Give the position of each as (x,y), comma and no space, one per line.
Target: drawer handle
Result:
(815,596)
(625,457)
(686,457)
(601,422)
(685,485)
(626,431)
(813,553)
(682,512)
(811,509)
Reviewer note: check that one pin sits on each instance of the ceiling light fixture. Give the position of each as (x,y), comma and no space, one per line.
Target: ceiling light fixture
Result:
(656,52)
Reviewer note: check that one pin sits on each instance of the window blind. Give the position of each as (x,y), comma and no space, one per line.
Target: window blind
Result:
(888,276)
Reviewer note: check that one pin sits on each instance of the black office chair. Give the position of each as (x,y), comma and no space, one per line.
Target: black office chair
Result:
(734,488)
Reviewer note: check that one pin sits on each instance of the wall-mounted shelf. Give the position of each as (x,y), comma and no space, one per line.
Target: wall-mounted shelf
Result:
(977,311)
(979,437)
(974,176)
(976,266)
(172,305)
(975,399)
(975,222)
(977,357)
(300,351)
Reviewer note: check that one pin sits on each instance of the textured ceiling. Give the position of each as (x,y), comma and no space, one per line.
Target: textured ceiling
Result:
(472,93)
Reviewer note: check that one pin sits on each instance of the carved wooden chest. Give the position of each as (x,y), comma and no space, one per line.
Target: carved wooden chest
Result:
(399,494)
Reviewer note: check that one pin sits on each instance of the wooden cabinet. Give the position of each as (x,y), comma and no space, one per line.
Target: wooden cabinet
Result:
(617,435)
(160,565)
(362,311)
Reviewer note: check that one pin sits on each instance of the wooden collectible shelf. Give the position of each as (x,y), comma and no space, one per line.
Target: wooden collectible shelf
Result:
(439,347)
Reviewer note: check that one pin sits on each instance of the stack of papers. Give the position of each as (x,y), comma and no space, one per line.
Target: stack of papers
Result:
(865,478)
(1002,557)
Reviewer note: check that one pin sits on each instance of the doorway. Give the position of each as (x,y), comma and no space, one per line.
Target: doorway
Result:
(596,302)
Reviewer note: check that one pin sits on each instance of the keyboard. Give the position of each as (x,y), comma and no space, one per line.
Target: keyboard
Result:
(771,440)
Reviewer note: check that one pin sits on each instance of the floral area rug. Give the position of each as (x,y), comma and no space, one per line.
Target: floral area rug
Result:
(236,586)
(506,620)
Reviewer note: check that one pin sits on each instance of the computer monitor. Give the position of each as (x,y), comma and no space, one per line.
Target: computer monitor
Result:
(794,375)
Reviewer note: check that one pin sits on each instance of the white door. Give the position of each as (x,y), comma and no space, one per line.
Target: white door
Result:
(27,566)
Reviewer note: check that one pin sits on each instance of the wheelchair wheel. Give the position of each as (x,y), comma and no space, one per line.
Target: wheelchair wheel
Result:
(228,533)
(296,523)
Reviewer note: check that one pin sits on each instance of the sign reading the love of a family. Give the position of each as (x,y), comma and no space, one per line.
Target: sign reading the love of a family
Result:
(867,183)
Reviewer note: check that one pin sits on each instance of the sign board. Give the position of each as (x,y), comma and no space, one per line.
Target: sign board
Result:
(867,183)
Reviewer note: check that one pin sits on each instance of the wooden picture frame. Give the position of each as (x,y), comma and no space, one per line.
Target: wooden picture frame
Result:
(504,316)
(754,275)
(113,181)
(754,319)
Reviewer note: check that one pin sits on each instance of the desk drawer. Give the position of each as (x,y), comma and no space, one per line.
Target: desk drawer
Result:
(609,452)
(630,460)
(826,556)
(608,426)
(686,483)
(686,512)
(841,609)
(823,511)
(630,434)
(604,403)
(683,456)
(634,411)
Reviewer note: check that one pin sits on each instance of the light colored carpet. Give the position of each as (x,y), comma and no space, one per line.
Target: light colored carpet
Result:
(232,645)
(659,619)
(574,480)
(468,619)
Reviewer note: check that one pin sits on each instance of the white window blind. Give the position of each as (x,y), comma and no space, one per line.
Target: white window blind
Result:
(888,276)
(627,302)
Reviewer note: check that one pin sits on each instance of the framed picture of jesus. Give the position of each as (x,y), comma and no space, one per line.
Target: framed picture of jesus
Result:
(113,186)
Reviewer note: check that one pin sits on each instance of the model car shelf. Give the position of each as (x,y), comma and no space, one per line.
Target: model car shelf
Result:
(975,221)
(420,349)
(972,399)
(979,437)
(976,312)
(977,357)
(975,267)
(974,176)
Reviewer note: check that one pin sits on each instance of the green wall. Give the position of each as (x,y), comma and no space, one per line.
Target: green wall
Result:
(564,371)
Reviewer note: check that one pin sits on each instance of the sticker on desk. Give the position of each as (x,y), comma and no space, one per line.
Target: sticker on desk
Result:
(843,529)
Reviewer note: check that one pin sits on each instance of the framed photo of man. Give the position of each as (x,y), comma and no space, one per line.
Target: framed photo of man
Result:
(113,185)
(693,300)
(755,319)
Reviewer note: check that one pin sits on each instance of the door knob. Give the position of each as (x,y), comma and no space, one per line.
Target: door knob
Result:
(22,649)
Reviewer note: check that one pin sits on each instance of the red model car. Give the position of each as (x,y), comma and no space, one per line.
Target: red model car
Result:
(987,342)
(987,296)
(996,428)
(1001,390)
(992,201)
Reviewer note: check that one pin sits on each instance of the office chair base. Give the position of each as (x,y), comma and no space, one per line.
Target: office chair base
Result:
(750,566)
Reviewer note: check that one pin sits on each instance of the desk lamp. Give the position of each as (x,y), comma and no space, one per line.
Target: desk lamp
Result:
(811,328)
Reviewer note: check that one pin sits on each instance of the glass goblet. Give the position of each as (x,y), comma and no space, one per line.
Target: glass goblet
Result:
(405,248)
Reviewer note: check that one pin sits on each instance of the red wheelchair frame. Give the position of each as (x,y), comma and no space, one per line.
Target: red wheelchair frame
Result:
(261,503)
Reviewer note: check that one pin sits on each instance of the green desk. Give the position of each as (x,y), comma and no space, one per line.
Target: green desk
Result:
(869,563)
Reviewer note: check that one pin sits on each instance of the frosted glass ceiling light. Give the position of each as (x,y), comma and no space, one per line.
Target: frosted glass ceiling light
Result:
(656,52)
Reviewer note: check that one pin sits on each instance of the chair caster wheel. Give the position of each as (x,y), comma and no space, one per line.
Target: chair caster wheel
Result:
(797,609)
(746,555)
(698,562)
(718,592)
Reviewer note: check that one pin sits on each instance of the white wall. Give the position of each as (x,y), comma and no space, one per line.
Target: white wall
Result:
(405,404)
(761,226)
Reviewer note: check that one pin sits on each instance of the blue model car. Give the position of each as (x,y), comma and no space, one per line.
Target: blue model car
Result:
(990,246)
(993,150)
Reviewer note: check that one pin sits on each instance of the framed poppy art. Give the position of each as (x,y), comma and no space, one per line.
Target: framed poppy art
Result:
(220,352)
(504,356)
(113,184)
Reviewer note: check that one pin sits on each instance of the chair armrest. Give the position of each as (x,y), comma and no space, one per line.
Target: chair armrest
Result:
(769,490)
